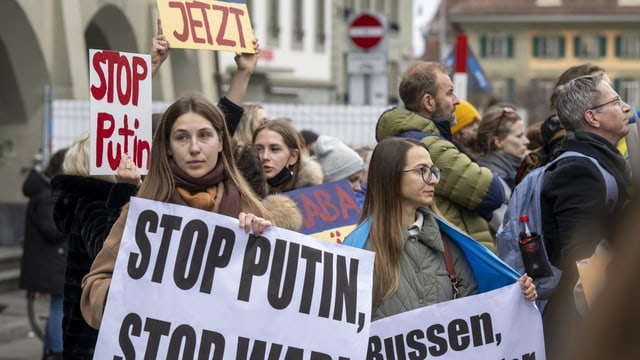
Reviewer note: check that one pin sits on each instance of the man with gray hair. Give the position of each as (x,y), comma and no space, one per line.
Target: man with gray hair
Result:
(574,202)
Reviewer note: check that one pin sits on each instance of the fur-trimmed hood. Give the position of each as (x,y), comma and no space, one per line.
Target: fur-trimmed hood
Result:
(310,173)
(284,211)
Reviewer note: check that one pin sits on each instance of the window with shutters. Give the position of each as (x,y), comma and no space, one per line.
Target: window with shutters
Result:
(590,46)
(298,25)
(629,90)
(273,27)
(628,46)
(496,46)
(504,89)
(548,47)
(321,35)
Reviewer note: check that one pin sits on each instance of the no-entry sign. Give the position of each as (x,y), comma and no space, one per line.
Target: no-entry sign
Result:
(366,31)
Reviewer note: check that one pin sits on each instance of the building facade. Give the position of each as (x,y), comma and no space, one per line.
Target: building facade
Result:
(44,55)
(523,46)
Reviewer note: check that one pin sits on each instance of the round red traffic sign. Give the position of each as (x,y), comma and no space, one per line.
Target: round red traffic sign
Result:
(366,31)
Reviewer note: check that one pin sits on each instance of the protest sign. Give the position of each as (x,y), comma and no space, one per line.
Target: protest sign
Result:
(191,284)
(330,211)
(205,24)
(498,324)
(120,107)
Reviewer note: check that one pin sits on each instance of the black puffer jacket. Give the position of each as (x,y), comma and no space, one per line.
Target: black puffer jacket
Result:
(44,248)
(85,210)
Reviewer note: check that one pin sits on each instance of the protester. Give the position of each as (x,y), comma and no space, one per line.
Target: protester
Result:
(365,153)
(44,251)
(501,143)
(310,139)
(85,209)
(533,134)
(467,193)
(285,165)
(254,116)
(574,194)
(191,164)
(339,161)
(410,269)
(465,129)
(551,131)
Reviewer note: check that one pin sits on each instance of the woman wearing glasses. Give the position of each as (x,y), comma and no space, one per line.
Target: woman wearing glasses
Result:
(411,267)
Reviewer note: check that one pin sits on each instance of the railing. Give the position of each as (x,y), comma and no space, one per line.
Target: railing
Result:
(354,124)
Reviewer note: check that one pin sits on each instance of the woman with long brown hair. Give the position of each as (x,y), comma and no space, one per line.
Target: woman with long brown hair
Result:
(284,159)
(410,269)
(191,164)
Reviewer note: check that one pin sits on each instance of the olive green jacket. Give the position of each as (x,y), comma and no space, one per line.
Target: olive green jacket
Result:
(465,189)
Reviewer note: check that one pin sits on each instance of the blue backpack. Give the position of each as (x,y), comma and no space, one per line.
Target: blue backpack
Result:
(525,199)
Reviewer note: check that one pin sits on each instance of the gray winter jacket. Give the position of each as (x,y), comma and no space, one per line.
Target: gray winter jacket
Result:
(424,279)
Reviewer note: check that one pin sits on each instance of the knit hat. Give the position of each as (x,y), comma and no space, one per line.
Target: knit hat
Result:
(338,160)
(466,114)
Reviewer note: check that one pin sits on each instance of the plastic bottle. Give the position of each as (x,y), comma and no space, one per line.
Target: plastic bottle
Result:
(533,256)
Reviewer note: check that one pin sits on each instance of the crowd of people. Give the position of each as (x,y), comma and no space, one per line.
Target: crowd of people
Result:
(438,157)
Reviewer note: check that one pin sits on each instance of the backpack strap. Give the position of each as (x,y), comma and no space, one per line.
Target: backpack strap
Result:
(610,181)
(448,262)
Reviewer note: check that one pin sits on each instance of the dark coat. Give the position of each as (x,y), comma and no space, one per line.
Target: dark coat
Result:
(85,210)
(45,248)
(574,219)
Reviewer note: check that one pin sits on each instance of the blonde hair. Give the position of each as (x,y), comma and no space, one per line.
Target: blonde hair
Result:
(77,160)
(248,124)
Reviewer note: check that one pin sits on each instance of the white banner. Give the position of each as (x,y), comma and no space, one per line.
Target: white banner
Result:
(498,324)
(192,284)
(120,106)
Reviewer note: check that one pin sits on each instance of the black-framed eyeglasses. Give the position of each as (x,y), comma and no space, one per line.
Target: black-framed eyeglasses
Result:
(427,173)
(616,100)
(505,110)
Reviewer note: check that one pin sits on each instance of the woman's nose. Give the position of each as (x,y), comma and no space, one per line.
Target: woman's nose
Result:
(355,186)
(194,146)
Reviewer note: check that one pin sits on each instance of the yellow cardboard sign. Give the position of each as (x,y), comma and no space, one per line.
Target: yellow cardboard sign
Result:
(592,273)
(206,24)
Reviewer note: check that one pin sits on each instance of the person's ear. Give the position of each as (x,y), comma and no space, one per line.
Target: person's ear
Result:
(294,157)
(591,118)
(498,144)
(429,103)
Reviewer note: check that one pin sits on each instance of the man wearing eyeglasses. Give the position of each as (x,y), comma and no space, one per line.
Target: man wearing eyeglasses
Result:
(573,199)
(467,194)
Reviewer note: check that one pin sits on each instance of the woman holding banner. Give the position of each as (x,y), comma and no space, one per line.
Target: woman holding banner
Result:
(417,264)
(191,164)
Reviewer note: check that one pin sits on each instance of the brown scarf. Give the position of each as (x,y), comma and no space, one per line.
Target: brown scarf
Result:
(213,191)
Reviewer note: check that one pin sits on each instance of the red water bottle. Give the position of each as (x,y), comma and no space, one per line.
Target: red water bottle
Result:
(535,262)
